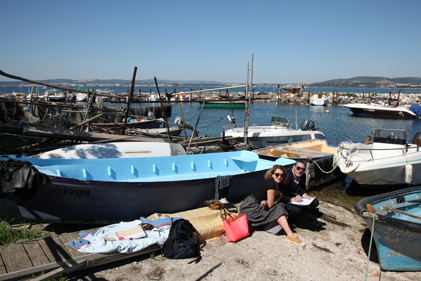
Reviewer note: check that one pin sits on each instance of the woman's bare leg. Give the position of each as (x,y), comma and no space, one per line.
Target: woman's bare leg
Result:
(285,226)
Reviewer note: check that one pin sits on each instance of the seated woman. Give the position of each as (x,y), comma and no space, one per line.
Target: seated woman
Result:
(270,215)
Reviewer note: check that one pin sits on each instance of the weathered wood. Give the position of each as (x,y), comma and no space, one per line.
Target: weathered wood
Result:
(86,121)
(15,258)
(38,131)
(54,249)
(301,150)
(129,100)
(35,253)
(2,268)
(65,238)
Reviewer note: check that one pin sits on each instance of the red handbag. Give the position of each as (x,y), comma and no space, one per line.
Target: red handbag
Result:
(236,227)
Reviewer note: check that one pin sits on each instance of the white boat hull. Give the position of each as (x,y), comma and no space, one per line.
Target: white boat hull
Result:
(376,164)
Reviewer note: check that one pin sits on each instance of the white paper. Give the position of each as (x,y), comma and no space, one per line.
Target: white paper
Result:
(303,202)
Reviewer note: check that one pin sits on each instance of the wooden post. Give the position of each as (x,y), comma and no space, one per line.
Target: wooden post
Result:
(129,100)
(308,97)
(181,111)
(163,109)
(195,127)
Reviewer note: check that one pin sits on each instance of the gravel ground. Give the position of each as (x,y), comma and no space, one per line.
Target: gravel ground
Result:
(336,249)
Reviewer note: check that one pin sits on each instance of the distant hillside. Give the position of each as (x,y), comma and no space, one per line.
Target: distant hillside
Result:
(370,82)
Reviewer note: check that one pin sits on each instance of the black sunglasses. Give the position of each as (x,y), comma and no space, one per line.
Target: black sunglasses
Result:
(279,175)
(299,169)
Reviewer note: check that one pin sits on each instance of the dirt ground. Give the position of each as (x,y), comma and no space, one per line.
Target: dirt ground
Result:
(337,242)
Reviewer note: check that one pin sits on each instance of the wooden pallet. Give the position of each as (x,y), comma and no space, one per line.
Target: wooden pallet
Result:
(51,256)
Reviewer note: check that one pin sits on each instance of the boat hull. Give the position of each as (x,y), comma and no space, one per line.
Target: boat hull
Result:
(397,236)
(379,111)
(224,104)
(110,190)
(370,165)
(145,124)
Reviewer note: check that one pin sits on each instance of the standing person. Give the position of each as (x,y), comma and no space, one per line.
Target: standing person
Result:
(270,215)
(294,190)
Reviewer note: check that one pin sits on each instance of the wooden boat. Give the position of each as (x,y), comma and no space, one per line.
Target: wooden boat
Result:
(314,149)
(318,100)
(114,189)
(174,131)
(397,227)
(113,150)
(388,160)
(280,131)
(224,104)
(321,154)
(381,109)
(137,124)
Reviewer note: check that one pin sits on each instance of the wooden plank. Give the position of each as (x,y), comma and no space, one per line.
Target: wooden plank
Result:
(15,258)
(65,238)
(92,260)
(35,253)
(54,249)
(2,268)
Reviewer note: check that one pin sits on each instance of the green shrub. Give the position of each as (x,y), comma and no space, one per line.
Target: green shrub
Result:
(9,235)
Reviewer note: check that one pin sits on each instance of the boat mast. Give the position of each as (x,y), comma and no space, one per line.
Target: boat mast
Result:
(246,120)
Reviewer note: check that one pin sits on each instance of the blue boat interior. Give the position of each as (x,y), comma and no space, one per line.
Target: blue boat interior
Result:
(156,169)
(408,203)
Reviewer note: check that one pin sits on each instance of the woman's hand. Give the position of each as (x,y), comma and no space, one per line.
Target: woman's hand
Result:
(264,203)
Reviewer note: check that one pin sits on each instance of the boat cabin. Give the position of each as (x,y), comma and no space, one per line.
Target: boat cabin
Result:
(394,136)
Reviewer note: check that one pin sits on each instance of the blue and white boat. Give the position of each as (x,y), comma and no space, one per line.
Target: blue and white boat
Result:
(123,189)
(397,227)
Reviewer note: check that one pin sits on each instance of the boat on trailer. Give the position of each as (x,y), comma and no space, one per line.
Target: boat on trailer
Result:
(397,227)
(123,189)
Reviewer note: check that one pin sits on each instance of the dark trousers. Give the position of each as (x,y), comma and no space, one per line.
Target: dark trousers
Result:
(295,210)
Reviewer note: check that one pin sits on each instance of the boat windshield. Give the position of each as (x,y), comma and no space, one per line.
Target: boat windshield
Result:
(390,136)
(280,121)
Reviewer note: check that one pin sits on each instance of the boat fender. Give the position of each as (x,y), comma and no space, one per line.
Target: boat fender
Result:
(408,173)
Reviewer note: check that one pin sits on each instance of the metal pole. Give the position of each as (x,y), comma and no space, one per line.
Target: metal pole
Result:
(195,127)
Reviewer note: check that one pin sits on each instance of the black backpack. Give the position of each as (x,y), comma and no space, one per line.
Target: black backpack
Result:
(183,241)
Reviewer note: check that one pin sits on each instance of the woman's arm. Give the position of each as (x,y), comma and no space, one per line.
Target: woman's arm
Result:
(271,198)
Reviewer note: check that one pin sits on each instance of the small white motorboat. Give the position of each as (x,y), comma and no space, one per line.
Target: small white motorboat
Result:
(280,131)
(113,150)
(388,160)
(318,100)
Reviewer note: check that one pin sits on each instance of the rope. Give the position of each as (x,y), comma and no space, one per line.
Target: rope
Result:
(334,167)
(369,249)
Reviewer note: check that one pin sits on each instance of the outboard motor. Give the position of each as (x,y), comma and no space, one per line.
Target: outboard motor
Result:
(307,125)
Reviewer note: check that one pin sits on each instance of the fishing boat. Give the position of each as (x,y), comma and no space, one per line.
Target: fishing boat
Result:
(386,160)
(174,131)
(224,104)
(280,131)
(318,100)
(396,228)
(113,150)
(115,189)
(379,108)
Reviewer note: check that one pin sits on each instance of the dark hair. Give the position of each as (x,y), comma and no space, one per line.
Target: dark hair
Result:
(271,171)
(299,162)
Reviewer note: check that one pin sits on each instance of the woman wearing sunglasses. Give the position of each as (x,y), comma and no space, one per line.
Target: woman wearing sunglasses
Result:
(263,207)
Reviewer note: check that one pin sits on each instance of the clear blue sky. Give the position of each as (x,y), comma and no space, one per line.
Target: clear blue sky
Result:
(292,41)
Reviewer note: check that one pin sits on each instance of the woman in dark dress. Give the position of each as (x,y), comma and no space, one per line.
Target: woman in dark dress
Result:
(263,208)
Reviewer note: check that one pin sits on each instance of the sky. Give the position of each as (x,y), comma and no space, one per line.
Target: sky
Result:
(291,41)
